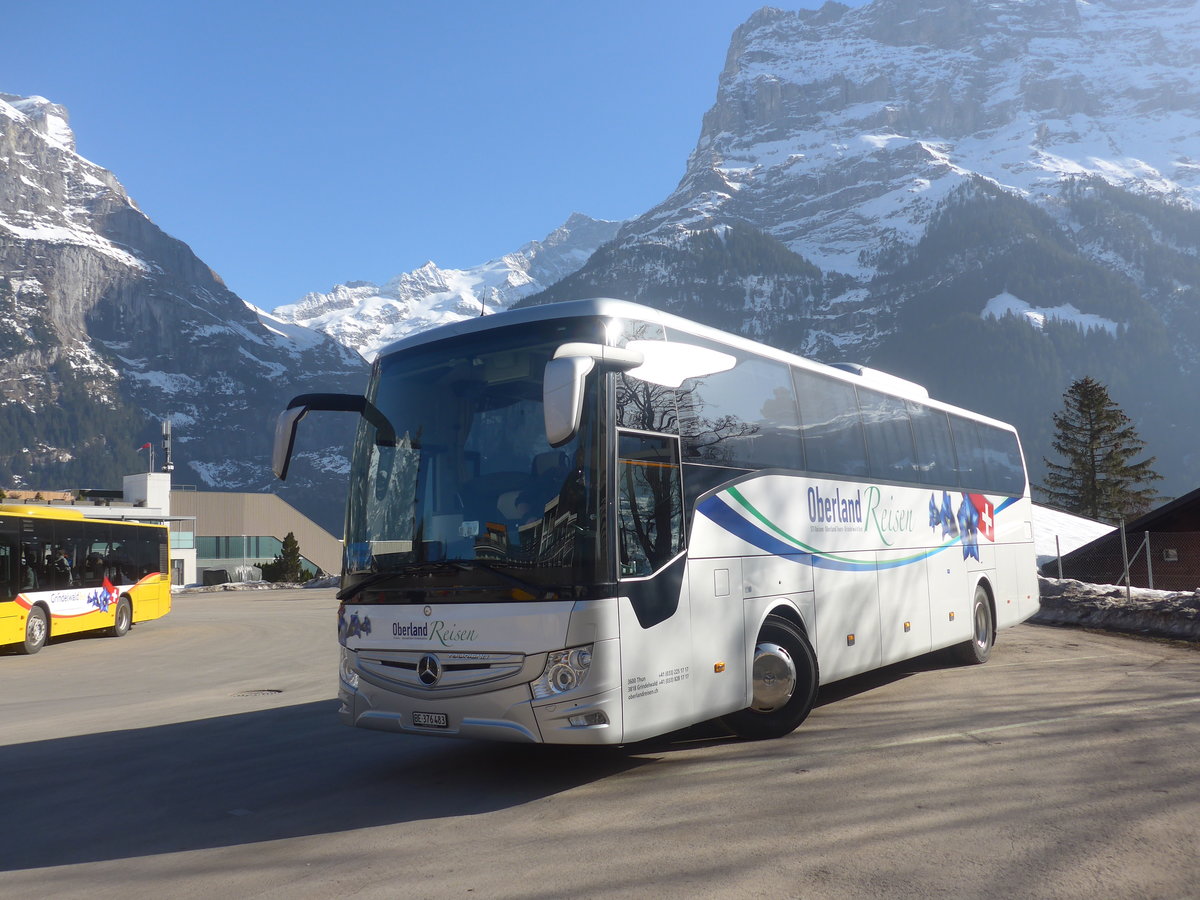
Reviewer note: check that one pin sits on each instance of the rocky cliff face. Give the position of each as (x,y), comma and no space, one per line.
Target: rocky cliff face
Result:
(368,317)
(112,325)
(839,131)
(927,159)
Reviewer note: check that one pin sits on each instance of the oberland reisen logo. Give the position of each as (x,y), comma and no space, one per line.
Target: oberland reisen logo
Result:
(429,670)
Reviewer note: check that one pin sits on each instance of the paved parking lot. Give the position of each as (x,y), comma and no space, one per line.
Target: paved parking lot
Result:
(200,756)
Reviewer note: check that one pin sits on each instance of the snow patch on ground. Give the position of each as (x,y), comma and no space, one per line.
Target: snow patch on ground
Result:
(1006,304)
(1111,607)
(1056,532)
(325,581)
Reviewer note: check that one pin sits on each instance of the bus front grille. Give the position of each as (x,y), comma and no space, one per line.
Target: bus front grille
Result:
(432,671)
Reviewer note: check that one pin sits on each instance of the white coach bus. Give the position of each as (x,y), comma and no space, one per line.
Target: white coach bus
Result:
(593,522)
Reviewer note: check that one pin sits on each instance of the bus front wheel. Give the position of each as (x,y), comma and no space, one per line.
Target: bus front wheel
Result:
(123,620)
(983,631)
(37,629)
(785,680)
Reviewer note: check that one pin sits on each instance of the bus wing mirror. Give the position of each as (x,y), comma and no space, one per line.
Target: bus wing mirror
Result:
(563,383)
(289,421)
(562,397)
(285,439)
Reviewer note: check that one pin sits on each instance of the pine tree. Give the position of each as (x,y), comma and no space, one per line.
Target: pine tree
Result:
(1098,441)
(286,566)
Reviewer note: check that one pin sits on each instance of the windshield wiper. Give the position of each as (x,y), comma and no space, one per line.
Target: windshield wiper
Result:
(445,567)
(527,586)
(421,568)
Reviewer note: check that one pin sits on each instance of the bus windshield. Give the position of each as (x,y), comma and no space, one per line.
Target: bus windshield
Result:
(471,484)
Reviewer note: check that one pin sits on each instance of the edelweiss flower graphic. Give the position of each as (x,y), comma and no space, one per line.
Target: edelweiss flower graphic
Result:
(942,515)
(103,596)
(968,521)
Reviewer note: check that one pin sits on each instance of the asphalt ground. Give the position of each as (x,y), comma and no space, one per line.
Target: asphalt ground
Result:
(201,756)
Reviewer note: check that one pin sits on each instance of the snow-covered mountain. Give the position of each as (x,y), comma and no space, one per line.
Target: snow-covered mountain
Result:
(991,197)
(368,317)
(840,131)
(884,183)
(111,325)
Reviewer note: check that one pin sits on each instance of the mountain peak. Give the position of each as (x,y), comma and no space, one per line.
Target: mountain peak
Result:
(48,119)
(368,317)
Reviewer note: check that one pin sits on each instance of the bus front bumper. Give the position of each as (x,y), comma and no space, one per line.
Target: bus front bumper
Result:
(507,714)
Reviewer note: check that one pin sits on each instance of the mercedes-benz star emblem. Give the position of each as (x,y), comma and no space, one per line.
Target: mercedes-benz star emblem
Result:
(429,670)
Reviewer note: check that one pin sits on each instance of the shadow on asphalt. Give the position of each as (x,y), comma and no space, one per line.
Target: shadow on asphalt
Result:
(259,776)
(290,772)
(715,733)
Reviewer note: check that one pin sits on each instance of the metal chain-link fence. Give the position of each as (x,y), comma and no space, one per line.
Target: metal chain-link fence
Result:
(1164,561)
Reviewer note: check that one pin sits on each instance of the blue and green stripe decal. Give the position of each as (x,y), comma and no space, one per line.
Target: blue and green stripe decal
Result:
(759,531)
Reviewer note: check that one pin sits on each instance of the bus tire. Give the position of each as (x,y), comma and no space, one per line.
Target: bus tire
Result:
(123,620)
(785,680)
(976,651)
(37,630)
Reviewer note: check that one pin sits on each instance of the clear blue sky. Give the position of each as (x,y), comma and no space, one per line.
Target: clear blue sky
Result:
(295,145)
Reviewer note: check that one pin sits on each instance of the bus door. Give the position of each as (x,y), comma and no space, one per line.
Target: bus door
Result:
(652,567)
(11,571)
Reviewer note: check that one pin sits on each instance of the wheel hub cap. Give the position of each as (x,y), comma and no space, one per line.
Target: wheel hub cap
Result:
(774,677)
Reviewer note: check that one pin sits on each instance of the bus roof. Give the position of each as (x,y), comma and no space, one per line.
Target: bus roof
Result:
(65,513)
(611,307)
(40,512)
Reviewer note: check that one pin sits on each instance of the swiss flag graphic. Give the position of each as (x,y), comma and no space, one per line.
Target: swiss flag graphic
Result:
(987,516)
(113,593)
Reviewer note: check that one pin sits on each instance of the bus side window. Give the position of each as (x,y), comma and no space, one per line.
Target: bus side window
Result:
(972,461)
(743,417)
(1006,470)
(650,502)
(830,424)
(935,447)
(889,436)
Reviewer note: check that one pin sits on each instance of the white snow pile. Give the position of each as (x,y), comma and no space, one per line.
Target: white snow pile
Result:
(325,581)
(234,586)
(1056,532)
(1107,606)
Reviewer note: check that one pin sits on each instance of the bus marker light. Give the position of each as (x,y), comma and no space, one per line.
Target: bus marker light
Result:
(719,667)
(907,627)
(849,640)
(951,617)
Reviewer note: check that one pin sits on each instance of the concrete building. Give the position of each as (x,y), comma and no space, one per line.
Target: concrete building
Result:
(234,530)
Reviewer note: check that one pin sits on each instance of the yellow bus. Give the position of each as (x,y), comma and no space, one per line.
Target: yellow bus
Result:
(62,573)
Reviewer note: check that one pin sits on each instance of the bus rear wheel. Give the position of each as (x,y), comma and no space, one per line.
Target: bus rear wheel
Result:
(123,620)
(785,680)
(983,631)
(37,629)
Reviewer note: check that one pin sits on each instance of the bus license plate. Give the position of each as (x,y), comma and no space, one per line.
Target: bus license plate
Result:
(430,720)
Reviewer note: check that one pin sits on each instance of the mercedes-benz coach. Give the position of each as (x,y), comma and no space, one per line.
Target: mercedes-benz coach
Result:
(594,522)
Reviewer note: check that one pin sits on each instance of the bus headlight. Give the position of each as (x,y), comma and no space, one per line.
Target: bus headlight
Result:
(565,671)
